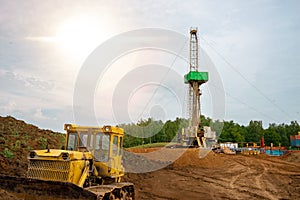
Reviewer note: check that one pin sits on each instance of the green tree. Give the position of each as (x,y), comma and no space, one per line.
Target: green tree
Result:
(271,136)
(217,126)
(254,131)
(205,121)
(231,133)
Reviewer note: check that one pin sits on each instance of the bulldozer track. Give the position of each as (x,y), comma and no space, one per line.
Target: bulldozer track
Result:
(32,189)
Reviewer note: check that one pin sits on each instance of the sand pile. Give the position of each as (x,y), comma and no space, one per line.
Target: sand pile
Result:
(180,157)
(137,163)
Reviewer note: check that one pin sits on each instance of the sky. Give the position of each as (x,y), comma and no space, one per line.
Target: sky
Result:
(251,47)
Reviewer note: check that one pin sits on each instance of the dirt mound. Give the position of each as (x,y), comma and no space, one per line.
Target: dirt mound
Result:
(137,163)
(192,157)
(180,157)
(17,138)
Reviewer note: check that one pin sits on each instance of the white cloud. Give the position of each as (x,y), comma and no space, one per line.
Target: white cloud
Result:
(38,115)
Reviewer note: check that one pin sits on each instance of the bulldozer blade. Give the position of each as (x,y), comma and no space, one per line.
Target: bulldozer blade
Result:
(33,189)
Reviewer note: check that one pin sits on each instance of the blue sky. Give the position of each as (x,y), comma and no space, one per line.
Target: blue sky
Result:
(254,46)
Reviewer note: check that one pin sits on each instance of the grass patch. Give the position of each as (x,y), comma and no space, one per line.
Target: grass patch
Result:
(18,144)
(154,145)
(43,142)
(7,153)
(26,136)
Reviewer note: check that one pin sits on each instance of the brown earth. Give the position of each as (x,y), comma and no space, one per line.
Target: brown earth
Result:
(4,195)
(188,176)
(17,138)
(219,176)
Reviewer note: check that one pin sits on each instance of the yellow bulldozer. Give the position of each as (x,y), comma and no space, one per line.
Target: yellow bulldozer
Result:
(88,167)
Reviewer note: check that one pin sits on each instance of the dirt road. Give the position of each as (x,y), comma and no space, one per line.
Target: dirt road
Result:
(219,176)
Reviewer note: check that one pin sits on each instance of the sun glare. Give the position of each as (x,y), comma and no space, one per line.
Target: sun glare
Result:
(80,35)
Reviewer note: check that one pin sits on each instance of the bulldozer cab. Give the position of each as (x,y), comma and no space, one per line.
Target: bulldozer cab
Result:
(105,143)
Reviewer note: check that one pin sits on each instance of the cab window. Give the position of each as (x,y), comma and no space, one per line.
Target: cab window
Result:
(115,146)
(101,147)
(120,146)
(91,145)
(72,141)
(84,139)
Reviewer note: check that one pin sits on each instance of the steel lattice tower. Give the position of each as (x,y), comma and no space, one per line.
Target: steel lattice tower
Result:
(194,78)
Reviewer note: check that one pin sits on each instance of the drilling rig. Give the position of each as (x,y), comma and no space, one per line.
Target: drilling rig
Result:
(193,136)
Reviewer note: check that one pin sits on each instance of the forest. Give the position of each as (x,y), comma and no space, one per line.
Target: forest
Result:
(148,131)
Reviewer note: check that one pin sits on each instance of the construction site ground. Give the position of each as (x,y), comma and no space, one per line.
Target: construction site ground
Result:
(220,176)
(215,176)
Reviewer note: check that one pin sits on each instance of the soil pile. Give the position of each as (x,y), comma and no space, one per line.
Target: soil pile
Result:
(181,157)
(137,163)
(17,138)
(193,158)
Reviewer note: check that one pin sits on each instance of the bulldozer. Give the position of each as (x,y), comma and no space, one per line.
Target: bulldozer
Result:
(89,167)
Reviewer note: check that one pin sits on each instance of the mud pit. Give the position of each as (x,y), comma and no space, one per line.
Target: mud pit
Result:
(219,176)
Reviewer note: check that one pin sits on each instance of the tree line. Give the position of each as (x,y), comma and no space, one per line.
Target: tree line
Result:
(148,131)
(153,131)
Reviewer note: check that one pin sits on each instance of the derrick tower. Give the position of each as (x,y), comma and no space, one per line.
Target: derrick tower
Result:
(194,79)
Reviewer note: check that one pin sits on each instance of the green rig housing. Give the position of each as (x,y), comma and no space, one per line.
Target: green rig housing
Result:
(192,76)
